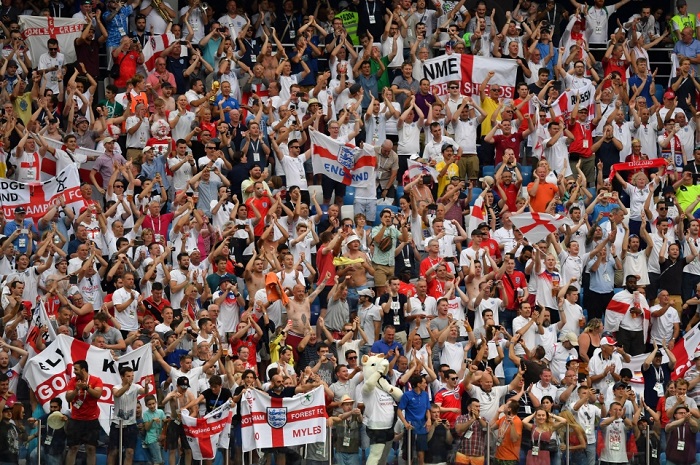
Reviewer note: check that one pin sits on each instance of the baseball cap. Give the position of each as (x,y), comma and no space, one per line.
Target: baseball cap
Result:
(20,210)
(355,88)
(487,179)
(620,384)
(107,140)
(669,94)
(147,148)
(607,341)
(12,64)
(73,290)
(445,147)
(483,225)
(681,3)
(167,334)
(183,381)
(9,404)
(80,119)
(569,336)
(346,398)
(366,293)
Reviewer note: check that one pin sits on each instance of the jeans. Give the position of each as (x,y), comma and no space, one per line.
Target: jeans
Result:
(590,453)
(154,452)
(345,458)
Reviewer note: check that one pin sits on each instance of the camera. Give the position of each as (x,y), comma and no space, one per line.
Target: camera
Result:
(427,179)
(240,226)
(292,106)
(222,29)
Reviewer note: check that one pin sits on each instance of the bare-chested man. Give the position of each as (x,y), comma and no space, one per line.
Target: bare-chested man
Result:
(299,313)
(253,275)
(476,276)
(356,273)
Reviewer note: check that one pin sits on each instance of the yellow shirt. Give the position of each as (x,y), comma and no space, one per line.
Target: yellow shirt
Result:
(489,105)
(452,170)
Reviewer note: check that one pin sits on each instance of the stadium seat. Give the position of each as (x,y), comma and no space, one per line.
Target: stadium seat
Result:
(527,175)
(349,198)
(476,192)
(399,192)
(347,211)
(488,171)
(659,92)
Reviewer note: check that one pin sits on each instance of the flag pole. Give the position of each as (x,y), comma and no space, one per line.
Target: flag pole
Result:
(121,442)
(38,445)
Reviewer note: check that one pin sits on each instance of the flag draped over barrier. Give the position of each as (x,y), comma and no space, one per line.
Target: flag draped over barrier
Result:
(282,422)
(48,372)
(207,434)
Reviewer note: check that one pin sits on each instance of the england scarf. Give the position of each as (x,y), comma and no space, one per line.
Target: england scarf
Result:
(207,434)
(618,307)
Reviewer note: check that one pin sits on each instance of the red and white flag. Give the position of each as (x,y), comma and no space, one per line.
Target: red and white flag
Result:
(620,304)
(37,30)
(353,166)
(48,372)
(207,434)
(537,226)
(155,45)
(684,350)
(38,197)
(416,168)
(48,163)
(40,319)
(282,422)
(476,214)
(471,71)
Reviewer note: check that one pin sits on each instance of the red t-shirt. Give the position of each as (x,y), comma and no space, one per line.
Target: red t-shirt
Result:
(84,406)
(450,399)
(324,263)
(263,204)
(426,264)
(492,246)
(159,225)
(407,289)
(511,141)
(436,288)
(511,196)
(583,138)
(610,65)
(511,282)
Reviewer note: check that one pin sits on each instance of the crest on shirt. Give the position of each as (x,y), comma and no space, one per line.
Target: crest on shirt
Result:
(277,417)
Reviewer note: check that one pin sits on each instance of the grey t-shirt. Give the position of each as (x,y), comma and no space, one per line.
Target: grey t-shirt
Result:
(439,324)
(112,336)
(125,406)
(337,314)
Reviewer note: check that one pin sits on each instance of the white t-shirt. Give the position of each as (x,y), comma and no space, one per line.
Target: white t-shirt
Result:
(529,337)
(125,406)
(573,314)
(548,341)
(489,401)
(229,312)
(126,318)
(662,327)
(491,303)
(426,308)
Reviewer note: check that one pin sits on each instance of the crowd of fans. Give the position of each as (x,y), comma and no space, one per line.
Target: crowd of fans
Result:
(205,232)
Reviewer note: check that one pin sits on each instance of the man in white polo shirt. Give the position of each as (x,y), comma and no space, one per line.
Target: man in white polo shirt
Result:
(490,396)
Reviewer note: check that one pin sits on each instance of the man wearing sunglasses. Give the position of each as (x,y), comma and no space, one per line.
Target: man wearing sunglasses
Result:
(50,63)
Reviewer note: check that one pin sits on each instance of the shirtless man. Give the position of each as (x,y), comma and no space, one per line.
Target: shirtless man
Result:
(179,398)
(253,275)
(475,276)
(355,274)
(299,312)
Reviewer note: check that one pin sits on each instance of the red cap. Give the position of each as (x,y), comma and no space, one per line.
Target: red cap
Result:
(670,95)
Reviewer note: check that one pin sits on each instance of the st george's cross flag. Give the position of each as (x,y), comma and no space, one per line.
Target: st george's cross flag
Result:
(564,104)
(208,433)
(37,30)
(619,307)
(416,168)
(537,226)
(342,162)
(282,422)
(470,71)
(154,46)
(476,214)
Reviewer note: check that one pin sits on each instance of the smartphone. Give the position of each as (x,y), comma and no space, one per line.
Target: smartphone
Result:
(73,280)
(138,242)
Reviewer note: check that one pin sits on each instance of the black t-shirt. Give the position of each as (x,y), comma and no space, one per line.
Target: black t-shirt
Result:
(653,375)
(672,276)
(212,401)
(609,155)
(389,318)
(286,392)
(687,88)
(695,169)
(437,446)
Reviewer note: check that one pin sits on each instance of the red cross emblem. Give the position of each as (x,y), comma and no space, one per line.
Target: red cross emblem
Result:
(537,221)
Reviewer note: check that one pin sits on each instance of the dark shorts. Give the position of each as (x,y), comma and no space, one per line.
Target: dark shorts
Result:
(176,432)
(330,186)
(82,432)
(380,436)
(129,435)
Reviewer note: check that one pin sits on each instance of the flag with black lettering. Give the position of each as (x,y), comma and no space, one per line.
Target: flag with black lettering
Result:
(48,372)
(470,71)
(37,30)
(282,422)
(38,197)
(40,326)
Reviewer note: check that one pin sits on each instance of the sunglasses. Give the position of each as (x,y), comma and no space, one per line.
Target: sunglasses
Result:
(52,49)
(454,87)
(454,378)
(294,147)
(352,358)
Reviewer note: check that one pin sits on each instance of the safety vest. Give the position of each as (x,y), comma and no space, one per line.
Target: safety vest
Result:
(351,21)
(682,23)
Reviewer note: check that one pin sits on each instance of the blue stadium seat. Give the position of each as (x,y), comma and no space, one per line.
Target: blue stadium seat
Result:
(476,192)
(349,198)
(527,174)
(659,92)
(399,192)
(488,171)
(510,373)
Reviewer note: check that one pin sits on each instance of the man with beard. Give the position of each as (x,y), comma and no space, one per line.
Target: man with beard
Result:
(83,428)
(113,338)
(630,327)
(180,278)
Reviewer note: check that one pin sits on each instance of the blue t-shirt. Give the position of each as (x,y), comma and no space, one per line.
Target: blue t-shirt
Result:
(118,27)
(415,407)
(604,209)
(24,242)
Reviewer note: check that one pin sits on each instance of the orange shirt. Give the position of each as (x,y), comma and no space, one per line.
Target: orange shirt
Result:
(510,450)
(545,194)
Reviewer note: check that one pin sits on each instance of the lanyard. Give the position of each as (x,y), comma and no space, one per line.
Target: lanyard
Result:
(554,15)
(255,147)
(374,8)
(679,430)
(659,375)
